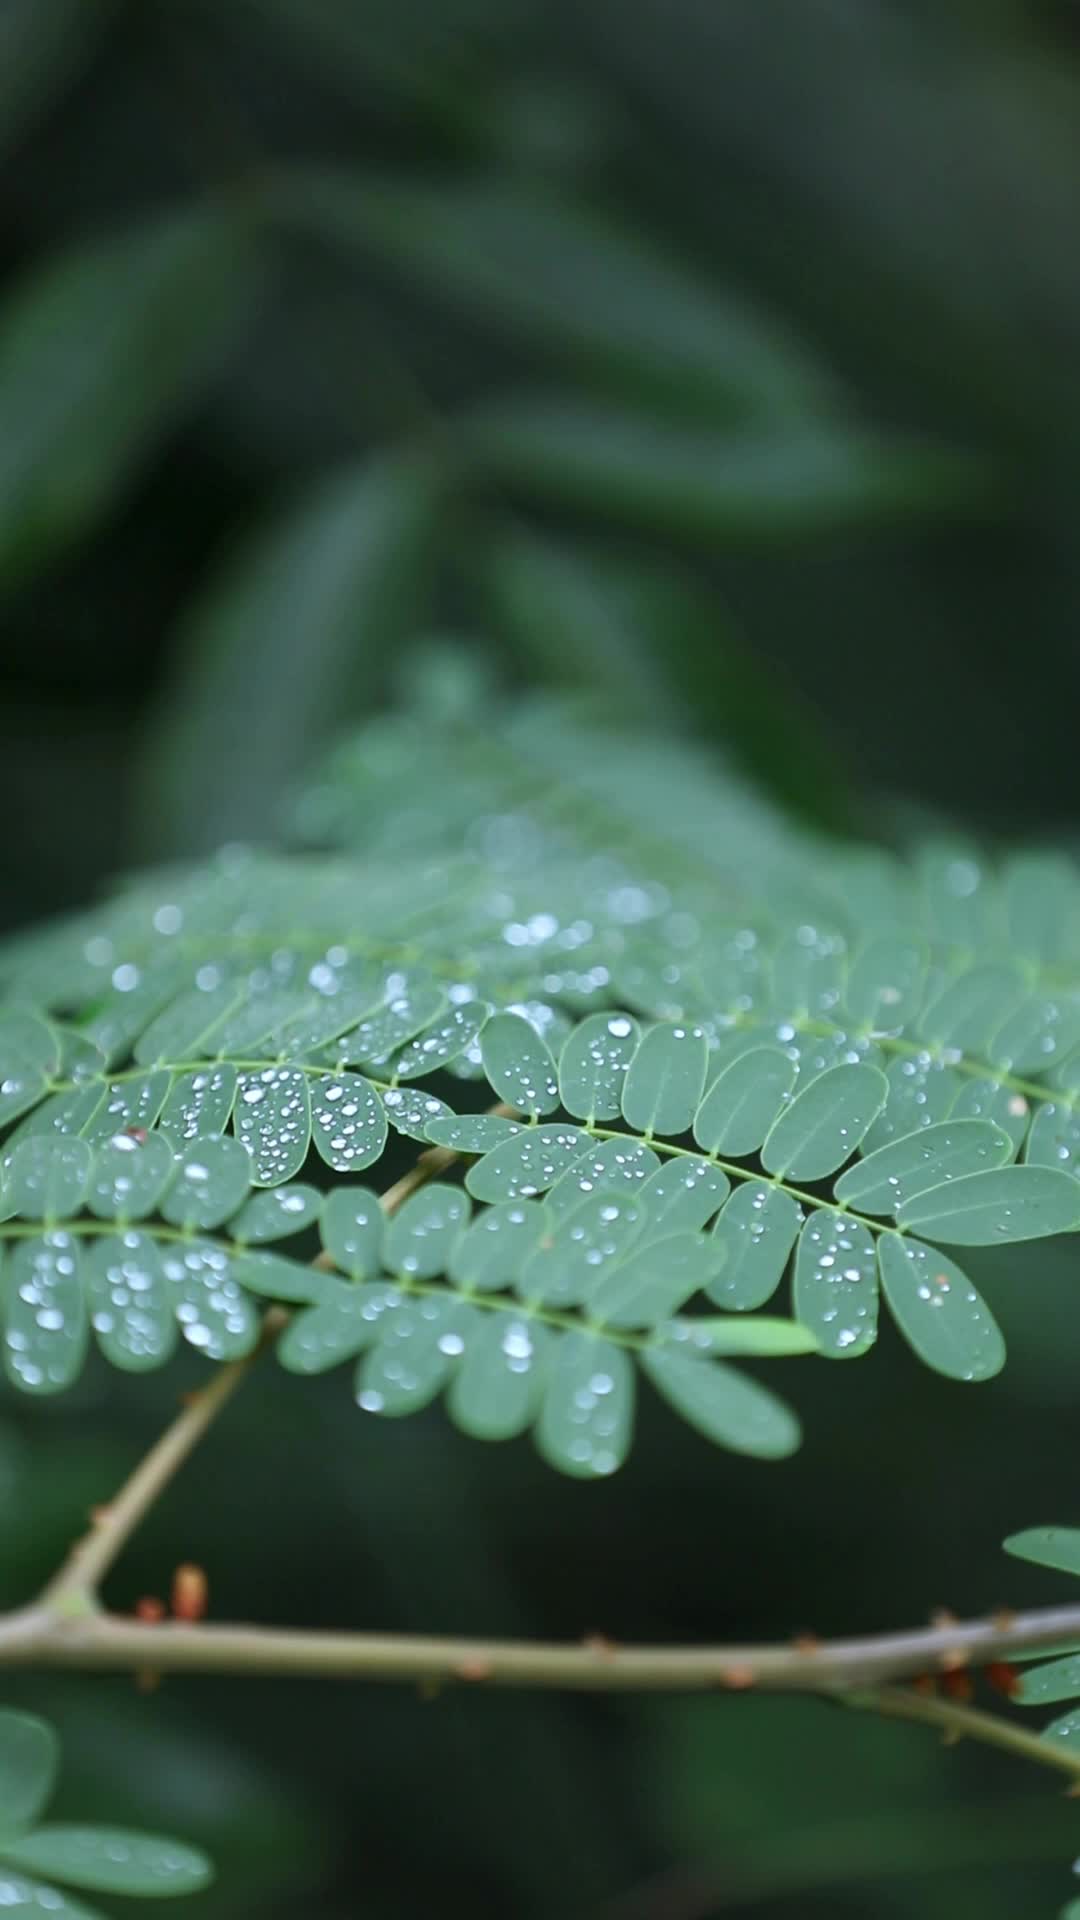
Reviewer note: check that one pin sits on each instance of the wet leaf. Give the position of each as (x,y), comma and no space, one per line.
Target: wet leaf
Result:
(348,1122)
(420,1238)
(473,1132)
(215,1316)
(578,1248)
(663,1084)
(211,1183)
(518,1065)
(835,1292)
(757,1230)
(45,1317)
(586,1419)
(825,1123)
(129,1176)
(683,1193)
(130,1303)
(491,1253)
(344,1322)
(198,1105)
(742,1104)
(497,1388)
(622,1165)
(275,1213)
(419,1345)
(274,1123)
(654,1280)
(1008,1205)
(938,1310)
(46,1177)
(897,1172)
(436,1045)
(352,1228)
(527,1164)
(593,1064)
(111,1860)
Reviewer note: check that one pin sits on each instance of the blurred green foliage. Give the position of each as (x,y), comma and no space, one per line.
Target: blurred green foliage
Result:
(718,362)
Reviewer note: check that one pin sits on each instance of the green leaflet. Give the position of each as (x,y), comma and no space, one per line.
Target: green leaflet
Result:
(587,1415)
(45,1320)
(825,1123)
(579,1247)
(1054,1139)
(836,1283)
(1038,1033)
(972,1008)
(214,1313)
(518,1065)
(497,1388)
(807,973)
(29,1054)
(19,1893)
(623,1165)
(29,1756)
(762,1336)
(722,1404)
(654,1280)
(129,1176)
(985,1099)
(472,1132)
(421,1236)
(592,1066)
(882,1181)
(492,1251)
(277,1212)
(527,1164)
(352,1227)
(46,1177)
(684,1192)
(198,1104)
(348,1122)
(1057,1547)
(343,1323)
(275,1277)
(411,1111)
(384,1031)
(108,1860)
(981,1209)
(885,985)
(938,1310)
(1054,1680)
(133,1103)
(664,1081)
(419,1344)
(212,1179)
(273,1122)
(920,1092)
(742,1104)
(441,1042)
(757,1230)
(129,1301)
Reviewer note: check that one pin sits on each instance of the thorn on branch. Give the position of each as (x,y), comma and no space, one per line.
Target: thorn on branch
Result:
(190,1593)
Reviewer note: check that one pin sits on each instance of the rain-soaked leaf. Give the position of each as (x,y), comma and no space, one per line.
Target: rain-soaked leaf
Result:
(497,1388)
(215,1315)
(130,1304)
(1007,1205)
(623,1165)
(897,1172)
(274,1123)
(985,1099)
(938,1310)
(348,1122)
(134,1102)
(21,1895)
(46,1177)
(199,1104)
(386,1029)
(211,1183)
(275,1213)
(528,1163)
(129,1175)
(422,1234)
(352,1228)
(275,1277)
(111,1860)
(683,1193)
(586,1418)
(825,1123)
(920,1091)
(593,1064)
(344,1322)
(836,1293)
(578,1248)
(440,1042)
(654,1280)
(491,1253)
(743,1102)
(45,1331)
(472,1132)
(1054,1140)
(189,1028)
(757,1229)
(665,1078)
(518,1064)
(412,1110)
(419,1345)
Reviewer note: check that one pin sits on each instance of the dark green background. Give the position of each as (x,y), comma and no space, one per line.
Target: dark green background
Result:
(840,548)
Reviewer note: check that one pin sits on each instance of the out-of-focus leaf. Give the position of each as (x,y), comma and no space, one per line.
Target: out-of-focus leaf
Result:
(43,43)
(1057,1547)
(316,602)
(45,1314)
(29,1755)
(107,1860)
(549,271)
(100,352)
(722,1403)
(496,1390)
(748,485)
(587,1416)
